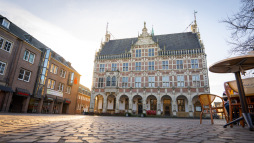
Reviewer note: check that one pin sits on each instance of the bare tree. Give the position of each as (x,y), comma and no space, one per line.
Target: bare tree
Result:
(242,26)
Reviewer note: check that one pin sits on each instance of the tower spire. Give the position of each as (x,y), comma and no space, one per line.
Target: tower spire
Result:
(152,32)
(107,36)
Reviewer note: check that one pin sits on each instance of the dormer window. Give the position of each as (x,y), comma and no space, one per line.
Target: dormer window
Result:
(6,23)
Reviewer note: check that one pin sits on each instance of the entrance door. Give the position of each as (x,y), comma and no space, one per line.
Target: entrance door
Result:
(166,107)
(16,104)
(140,108)
(167,112)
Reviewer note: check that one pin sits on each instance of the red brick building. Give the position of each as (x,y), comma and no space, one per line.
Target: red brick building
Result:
(162,73)
(19,60)
(83,99)
(34,78)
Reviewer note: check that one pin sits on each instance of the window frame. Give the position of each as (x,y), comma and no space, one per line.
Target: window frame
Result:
(124,82)
(151,81)
(165,65)
(151,52)
(102,67)
(1,67)
(138,82)
(138,53)
(108,81)
(114,67)
(113,81)
(100,82)
(196,80)
(6,23)
(60,87)
(28,56)
(24,75)
(194,64)
(179,64)
(180,80)
(165,83)
(68,89)
(151,65)
(125,66)
(138,66)
(63,73)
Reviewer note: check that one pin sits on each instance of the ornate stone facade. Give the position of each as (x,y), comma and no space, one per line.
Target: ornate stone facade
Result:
(163,73)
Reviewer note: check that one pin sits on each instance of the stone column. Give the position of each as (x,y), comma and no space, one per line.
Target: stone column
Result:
(144,105)
(91,107)
(40,105)
(190,110)
(158,107)
(130,105)
(174,106)
(25,105)
(61,108)
(51,107)
(105,105)
(7,102)
(117,106)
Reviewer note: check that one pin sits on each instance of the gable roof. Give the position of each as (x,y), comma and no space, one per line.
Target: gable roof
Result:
(177,41)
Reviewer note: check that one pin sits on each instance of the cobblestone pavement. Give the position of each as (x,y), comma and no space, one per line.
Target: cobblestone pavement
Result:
(80,128)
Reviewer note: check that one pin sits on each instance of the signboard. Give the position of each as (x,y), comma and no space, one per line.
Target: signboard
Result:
(54,92)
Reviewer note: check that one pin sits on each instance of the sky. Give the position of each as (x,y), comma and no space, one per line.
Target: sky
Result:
(75,28)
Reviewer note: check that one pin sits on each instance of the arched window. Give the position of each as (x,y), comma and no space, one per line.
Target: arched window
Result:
(113,81)
(108,81)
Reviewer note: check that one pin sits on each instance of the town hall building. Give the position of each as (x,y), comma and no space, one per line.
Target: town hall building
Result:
(163,74)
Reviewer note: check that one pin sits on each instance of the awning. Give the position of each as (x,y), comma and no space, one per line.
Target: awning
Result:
(50,97)
(59,99)
(66,100)
(5,88)
(22,92)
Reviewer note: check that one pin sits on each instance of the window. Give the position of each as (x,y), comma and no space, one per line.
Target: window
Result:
(151,66)
(24,75)
(150,52)
(62,73)
(113,81)
(151,81)
(138,53)
(180,81)
(164,65)
(179,64)
(125,66)
(2,67)
(165,81)
(5,45)
(108,81)
(53,68)
(68,90)
(100,84)
(138,66)
(181,105)
(51,83)
(6,23)
(29,56)
(102,66)
(194,63)
(114,67)
(195,80)
(153,104)
(125,82)
(60,87)
(137,81)
(1,42)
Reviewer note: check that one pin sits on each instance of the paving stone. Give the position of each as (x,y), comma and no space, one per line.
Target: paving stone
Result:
(74,141)
(76,128)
